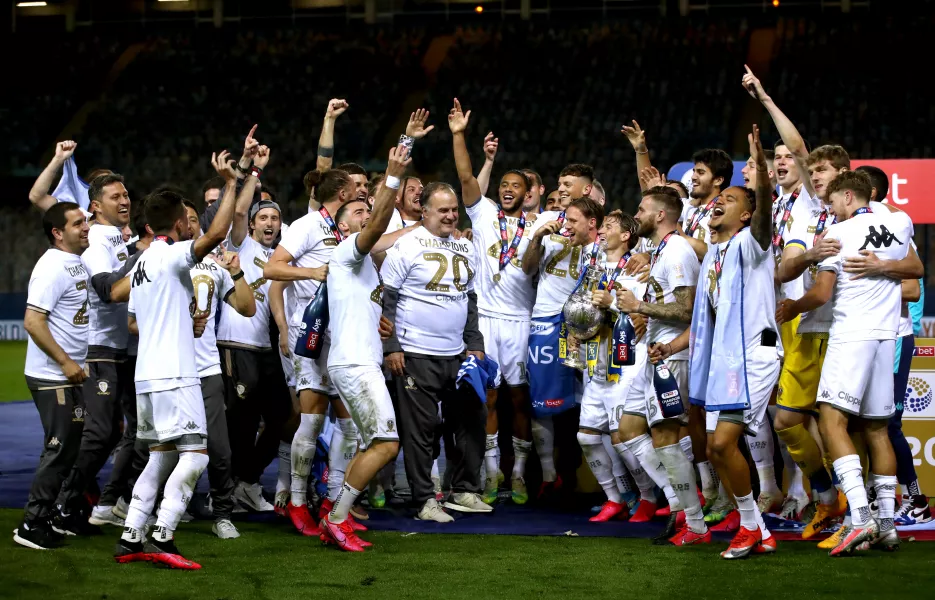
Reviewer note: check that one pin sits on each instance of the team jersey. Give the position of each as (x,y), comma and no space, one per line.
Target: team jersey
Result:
(559,269)
(433,276)
(236,329)
(695,218)
(905,316)
(310,242)
(58,288)
(759,291)
(212,285)
(355,303)
(623,282)
(501,293)
(397,222)
(161,300)
(106,253)
(803,205)
(674,267)
(807,221)
(867,308)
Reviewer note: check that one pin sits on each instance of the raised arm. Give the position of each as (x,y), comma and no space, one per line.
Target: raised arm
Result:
(385,200)
(762,224)
(637,139)
(816,297)
(490,153)
(242,299)
(787,131)
(222,220)
(457,123)
(336,108)
(239,225)
(39,194)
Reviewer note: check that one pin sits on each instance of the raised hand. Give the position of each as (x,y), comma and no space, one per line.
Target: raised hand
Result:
(64,150)
(457,119)
(636,136)
(229,261)
(753,85)
(336,108)
(398,161)
(250,145)
(224,165)
(490,146)
(651,177)
(756,147)
(416,127)
(262,157)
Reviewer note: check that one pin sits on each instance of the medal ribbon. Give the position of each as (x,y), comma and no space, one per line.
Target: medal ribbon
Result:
(717,261)
(652,262)
(821,224)
(507,252)
(607,283)
(330,223)
(163,238)
(781,228)
(861,210)
(698,216)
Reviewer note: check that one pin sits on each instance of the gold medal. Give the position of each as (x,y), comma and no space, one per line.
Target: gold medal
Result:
(496,278)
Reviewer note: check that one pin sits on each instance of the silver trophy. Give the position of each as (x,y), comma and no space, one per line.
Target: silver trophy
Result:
(582,319)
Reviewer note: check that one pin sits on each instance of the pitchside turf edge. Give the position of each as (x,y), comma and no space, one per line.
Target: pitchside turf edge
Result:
(270,561)
(12,382)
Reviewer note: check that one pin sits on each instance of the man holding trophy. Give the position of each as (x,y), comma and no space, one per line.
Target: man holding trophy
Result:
(560,242)
(659,395)
(611,365)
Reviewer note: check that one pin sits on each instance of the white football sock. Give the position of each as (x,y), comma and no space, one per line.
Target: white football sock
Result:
(543,434)
(521,450)
(284,473)
(154,475)
(340,453)
(682,478)
(643,481)
(642,448)
(761,451)
(747,507)
(709,479)
(346,498)
(179,488)
(686,445)
(762,525)
(599,462)
(621,477)
(850,474)
(885,487)
(303,451)
(490,457)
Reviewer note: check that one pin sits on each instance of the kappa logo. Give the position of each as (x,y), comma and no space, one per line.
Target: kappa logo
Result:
(103,388)
(882,238)
(303,381)
(54,442)
(390,425)
(241,390)
(825,394)
(190,426)
(139,274)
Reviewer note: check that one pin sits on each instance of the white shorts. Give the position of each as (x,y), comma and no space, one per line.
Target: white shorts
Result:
(763,370)
(506,342)
(857,378)
(601,406)
(363,391)
(641,397)
(168,415)
(311,374)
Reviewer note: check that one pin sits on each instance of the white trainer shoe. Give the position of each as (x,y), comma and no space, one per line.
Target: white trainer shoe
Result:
(225,530)
(120,509)
(104,515)
(431,511)
(251,496)
(469,503)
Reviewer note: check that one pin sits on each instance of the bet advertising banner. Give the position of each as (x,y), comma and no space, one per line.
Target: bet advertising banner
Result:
(911,182)
(919,412)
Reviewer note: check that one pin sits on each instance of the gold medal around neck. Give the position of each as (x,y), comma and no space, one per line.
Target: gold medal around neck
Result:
(496,278)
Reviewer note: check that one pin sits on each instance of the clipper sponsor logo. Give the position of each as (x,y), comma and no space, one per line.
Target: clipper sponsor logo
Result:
(852,400)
